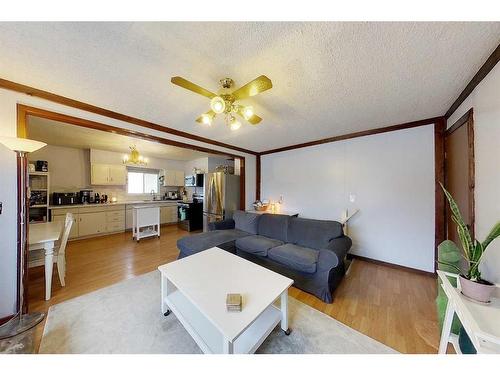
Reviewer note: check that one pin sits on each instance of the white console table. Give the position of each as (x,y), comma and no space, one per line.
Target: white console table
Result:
(480,321)
(289,213)
(146,218)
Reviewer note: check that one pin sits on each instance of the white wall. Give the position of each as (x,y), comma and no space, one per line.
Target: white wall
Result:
(69,167)
(200,163)
(391,176)
(110,157)
(8,223)
(485,99)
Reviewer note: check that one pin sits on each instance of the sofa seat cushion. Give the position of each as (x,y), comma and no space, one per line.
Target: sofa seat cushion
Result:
(257,245)
(299,258)
(190,245)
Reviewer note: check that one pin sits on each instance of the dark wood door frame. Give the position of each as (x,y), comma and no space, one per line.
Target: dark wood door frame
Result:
(467,120)
(23,111)
(439,198)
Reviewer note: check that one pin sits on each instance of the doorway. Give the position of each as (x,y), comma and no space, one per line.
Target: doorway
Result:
(459,172)
(74,147)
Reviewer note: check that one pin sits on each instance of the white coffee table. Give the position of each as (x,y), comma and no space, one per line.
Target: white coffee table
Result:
(194,289)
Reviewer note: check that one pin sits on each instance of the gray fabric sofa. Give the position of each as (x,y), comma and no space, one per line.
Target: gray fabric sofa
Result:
(311,252)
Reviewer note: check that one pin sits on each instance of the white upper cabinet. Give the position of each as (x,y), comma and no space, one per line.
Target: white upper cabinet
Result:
(173,178)
(179,178)
(99,174)
(118,174)
(106,174)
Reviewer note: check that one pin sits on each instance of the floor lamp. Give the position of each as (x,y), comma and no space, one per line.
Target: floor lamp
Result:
(21,322)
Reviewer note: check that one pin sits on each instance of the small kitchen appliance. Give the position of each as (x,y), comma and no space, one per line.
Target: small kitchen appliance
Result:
(172,195)
(195,180)
(86,196)
(42,166)
(61,199)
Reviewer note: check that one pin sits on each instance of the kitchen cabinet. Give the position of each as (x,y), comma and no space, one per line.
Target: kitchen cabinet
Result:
(92,220)
(179,178)
(106,174)
(115,221)
(91,223)
(168,214)
(173,178)
(99,174)
(118,174)
(129,219)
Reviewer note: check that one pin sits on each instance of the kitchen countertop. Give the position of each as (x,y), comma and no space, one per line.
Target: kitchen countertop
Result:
(123,203)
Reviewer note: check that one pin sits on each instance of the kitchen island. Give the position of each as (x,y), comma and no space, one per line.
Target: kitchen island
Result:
(96,219)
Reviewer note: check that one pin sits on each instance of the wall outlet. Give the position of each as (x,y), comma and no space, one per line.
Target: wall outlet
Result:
(352,198)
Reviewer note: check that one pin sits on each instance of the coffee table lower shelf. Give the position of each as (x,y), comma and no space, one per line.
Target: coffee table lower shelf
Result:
(209,338)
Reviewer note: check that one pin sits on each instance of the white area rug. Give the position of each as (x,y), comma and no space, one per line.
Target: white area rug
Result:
(126,318)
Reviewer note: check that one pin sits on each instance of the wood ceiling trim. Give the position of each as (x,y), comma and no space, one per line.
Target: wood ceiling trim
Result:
(23,111)
(13,86)
(406,125)
(483,72)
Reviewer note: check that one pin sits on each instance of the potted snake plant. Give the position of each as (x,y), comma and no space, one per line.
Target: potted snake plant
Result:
(473,286)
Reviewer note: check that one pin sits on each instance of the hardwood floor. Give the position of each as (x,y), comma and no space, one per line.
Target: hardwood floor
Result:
(393,306)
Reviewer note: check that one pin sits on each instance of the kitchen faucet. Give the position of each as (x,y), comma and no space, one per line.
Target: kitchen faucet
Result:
(153,194)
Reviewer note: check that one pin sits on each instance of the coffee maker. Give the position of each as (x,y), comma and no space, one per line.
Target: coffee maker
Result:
(86,196)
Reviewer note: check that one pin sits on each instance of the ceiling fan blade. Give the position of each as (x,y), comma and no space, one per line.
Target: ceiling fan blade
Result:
(209,113)
(253,88)
(188,85)
(254,119)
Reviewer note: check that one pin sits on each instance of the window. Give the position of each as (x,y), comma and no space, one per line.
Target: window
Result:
(142,181)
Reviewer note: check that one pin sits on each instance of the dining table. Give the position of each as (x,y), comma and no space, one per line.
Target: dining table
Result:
(43,236)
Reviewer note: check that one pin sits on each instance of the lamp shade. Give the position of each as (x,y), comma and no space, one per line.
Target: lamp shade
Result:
(21,144)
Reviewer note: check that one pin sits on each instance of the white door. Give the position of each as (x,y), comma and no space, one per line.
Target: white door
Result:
(99,174)
(117,175)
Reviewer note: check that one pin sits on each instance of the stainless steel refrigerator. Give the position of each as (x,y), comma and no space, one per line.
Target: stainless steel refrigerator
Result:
(222,197)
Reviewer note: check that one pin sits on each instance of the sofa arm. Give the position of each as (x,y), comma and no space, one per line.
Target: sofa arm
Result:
(334,253)
(340,246)
(221,225)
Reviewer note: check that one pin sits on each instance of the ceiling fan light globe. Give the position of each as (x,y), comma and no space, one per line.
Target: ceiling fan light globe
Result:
(218,105)
(206,119)
(234,124)
(247,113)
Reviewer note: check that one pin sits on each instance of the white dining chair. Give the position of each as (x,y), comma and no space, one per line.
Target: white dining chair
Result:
(37,257)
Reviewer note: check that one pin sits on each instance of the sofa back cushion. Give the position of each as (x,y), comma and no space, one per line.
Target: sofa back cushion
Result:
(315,234)
(274,226)
(246,221)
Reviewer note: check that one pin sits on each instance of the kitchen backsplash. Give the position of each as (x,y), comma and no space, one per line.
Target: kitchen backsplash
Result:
(122,195)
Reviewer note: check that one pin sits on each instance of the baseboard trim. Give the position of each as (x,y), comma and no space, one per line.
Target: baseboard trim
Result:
(392,265)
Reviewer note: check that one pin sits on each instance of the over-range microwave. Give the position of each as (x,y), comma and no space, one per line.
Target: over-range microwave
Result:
(195,180)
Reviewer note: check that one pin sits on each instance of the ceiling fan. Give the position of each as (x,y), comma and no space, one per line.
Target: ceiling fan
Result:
(224,102)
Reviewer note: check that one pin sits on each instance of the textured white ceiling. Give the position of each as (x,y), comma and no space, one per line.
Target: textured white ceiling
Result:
(57,133)
(329,78)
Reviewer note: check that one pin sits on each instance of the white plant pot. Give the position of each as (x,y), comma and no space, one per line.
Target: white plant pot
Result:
(476,291)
